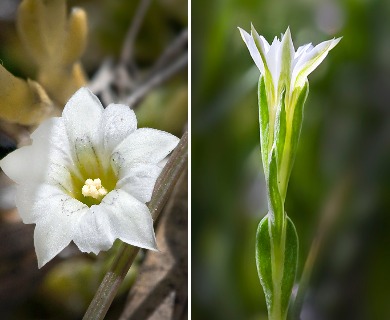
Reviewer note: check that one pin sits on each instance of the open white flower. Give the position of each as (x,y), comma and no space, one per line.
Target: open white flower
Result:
(87,176)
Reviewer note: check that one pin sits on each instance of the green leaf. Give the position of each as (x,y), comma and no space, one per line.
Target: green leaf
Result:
(263,260)
(276,267)
(264,122)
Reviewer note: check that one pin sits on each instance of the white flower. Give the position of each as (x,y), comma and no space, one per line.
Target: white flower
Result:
(87,176)
(280,64)
(283,88)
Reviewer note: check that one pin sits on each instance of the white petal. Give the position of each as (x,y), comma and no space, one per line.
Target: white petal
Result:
(24,165)
(37,163)
(311,60)
(117,123)
(55,229)
(31,200)
(82,116)
(52,140)
(93,233)
(274,60)
(261,43)
(124,218)
(254,52)
(139,180)
(302,49)
(143,145)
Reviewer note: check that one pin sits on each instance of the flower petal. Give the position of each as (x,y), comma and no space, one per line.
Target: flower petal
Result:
(93,233)
(143,146)
(82,115)
(117,123)
(274,60)
(39,162)
(310,60)
(254,52)
(31,198)
(55,229)
(19,170)
(118,216)
(139,180)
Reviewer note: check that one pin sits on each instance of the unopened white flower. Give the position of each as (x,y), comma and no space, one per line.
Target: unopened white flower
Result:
(87,176)
(283,88)
(282,66)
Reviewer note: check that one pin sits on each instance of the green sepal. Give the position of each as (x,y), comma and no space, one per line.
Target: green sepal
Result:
(264,122)
(277,292)
(275,201)
(296,125)
(280,127)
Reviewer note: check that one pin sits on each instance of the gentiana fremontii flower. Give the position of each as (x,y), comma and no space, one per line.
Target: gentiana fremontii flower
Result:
(283,87)
(282,92)
(87,176)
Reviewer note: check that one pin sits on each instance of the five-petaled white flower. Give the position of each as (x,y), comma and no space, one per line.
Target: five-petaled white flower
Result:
(87,176)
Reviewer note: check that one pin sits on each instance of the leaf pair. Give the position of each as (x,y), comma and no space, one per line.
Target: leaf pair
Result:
(276,266)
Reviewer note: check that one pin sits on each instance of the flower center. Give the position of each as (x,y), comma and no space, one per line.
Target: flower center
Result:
(94,189)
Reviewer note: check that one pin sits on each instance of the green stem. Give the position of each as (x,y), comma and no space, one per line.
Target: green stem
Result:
(277,258)
(126,254)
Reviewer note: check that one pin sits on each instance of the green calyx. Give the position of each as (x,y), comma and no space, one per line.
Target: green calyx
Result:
(280,128)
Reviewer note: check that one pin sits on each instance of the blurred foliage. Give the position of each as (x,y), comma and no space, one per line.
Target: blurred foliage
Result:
(55,43)
(345,139)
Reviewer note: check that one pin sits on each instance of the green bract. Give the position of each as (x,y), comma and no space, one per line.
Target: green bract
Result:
(283,89)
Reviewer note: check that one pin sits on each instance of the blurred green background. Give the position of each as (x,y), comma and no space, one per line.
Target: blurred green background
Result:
(341,169)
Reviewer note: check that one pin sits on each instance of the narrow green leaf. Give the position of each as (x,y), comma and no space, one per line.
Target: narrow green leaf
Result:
(264,122)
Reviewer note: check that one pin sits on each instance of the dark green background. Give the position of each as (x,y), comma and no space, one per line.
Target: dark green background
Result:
(342,165)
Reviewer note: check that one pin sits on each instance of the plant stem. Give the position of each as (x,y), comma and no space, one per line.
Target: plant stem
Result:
(126,254)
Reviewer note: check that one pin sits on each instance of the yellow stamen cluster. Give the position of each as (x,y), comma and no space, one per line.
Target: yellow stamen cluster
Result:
(94,189)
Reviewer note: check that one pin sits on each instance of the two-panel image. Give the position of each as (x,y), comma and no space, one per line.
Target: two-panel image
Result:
(206,160)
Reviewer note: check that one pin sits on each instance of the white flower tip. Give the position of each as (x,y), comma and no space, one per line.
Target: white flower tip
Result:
(335,42)
(253,30)
(244,35)
(287,34)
